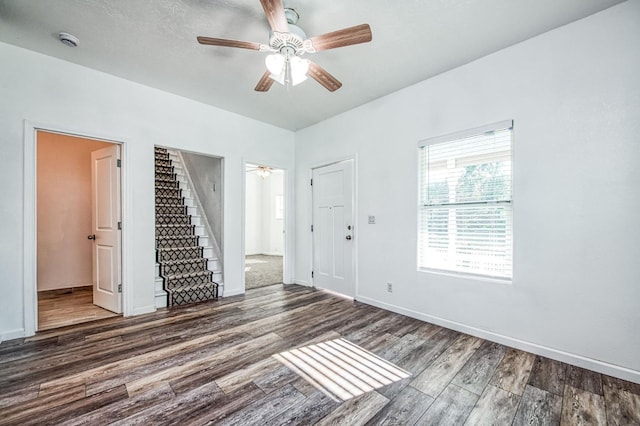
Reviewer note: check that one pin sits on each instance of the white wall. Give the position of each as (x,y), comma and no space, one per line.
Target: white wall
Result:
(253,208)
(46,90)
(574,95)
(264,232)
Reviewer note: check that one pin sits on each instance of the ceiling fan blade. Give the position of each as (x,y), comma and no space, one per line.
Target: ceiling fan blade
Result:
(265,82)
(321,75)
(275,15)
(344,37)
(229,43)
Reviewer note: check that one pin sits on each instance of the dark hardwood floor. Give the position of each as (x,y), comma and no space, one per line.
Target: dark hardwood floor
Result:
(213,363)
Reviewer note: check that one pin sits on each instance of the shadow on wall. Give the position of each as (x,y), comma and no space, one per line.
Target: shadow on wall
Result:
(206,174)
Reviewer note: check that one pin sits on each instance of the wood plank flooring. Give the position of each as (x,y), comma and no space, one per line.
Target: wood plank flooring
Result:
(59,308)
(213,363)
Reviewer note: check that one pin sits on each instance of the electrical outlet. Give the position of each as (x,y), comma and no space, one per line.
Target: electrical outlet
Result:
(390,287)
(372,220)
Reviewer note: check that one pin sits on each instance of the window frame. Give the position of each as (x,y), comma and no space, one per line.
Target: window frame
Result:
(451,137)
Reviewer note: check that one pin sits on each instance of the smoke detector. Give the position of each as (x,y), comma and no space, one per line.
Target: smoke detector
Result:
(68,39)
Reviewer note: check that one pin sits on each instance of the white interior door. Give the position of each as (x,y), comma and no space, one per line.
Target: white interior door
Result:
(105,212)
(333,244)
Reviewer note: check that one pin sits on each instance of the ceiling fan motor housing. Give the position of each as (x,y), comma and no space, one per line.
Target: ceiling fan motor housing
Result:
(288,43)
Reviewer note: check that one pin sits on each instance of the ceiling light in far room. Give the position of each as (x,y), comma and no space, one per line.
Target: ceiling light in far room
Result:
(68,39)
(263,171)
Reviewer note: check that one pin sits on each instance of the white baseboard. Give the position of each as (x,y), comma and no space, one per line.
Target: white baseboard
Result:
(229,293)
(302,282)
(559,355)
(66,286)
(161,300)
(12,334)
(142,310)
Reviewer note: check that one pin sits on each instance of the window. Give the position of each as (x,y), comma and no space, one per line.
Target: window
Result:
(465,212)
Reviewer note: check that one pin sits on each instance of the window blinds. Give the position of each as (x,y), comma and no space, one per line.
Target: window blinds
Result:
(465,220)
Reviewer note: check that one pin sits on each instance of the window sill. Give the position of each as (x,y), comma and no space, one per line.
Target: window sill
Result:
(462,275)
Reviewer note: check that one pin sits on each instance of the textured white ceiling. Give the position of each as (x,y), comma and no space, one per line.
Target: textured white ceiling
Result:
(153,42)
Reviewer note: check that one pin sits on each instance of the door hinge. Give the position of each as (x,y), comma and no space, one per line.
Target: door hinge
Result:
(311,228)
(311,274)
(119,288)
(120,226)
(311,182)
(118,163)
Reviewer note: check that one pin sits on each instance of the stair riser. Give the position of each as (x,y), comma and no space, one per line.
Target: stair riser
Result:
(169,192)
(185,297)
(161,169)
(177,242)
(170,200)
(165,176)
(173,220)
(183,254)
(183,268)
(176,180)
(175,231)
(171,210)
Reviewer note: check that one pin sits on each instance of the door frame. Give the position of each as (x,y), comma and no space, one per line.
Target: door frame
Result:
(30,260)
(288,258)
(354,201)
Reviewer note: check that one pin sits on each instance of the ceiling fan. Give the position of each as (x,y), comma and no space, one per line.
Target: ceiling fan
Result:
(288,43)
(262,171)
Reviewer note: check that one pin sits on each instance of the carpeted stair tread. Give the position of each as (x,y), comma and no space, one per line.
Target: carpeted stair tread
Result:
(161,205)
(168,249)
(207,283)
(189,275)
(181,261)
(173,187)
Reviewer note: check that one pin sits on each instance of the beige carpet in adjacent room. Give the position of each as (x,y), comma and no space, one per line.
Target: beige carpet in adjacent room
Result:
(262,270)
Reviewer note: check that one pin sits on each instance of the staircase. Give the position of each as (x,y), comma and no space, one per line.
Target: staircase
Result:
(185,263)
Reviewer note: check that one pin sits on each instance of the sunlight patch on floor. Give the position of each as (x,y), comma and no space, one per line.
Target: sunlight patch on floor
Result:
(341,369)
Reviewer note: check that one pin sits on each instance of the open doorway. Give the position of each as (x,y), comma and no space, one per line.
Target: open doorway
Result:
(78,216)
(264,226)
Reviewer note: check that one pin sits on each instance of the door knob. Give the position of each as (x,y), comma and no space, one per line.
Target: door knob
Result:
(91,237)
(348,237)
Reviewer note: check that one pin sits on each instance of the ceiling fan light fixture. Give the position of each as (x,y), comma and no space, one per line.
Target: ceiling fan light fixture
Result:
(275,63)
(299,69)
(263,171)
